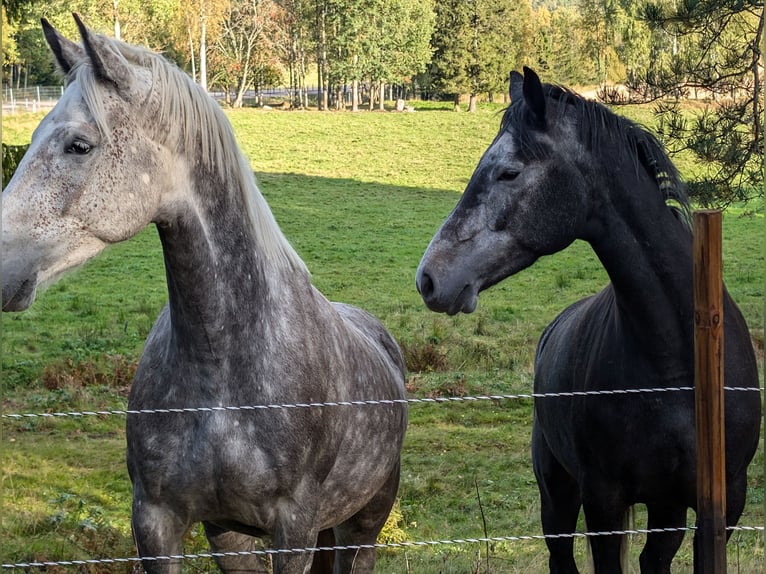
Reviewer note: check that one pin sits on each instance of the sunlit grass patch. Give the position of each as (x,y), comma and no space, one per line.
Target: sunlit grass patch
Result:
(359,196)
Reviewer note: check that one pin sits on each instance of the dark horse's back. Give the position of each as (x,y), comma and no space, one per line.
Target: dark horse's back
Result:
(637,447)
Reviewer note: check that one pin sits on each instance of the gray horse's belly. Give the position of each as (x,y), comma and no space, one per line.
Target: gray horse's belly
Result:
(244,467)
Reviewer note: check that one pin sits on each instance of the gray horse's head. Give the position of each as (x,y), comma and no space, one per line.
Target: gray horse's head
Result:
(89,176)
(525,199)
(131,141)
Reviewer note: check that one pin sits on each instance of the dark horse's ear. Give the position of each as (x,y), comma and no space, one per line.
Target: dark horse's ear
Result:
(515,90)
(67,53)
(534,96)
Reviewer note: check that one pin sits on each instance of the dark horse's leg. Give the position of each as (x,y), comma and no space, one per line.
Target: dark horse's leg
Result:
(222,540)
(661,547)
(605,511)
(364,527)
(736,493)
(560,504)
(324,561)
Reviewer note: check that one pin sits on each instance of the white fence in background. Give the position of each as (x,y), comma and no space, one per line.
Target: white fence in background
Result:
(43,98)
(30,99)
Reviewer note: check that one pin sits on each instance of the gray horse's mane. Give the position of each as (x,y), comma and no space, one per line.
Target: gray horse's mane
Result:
(194,124)
(611,136)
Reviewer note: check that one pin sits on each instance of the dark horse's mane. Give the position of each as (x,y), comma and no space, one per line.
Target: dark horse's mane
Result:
(609,135)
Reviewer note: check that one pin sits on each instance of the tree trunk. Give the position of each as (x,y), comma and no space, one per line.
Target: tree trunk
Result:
(203,49)
(243,83)
(756,68)
(456,102)
(241,89)
(116,19)
(323,88)
(355,95)
(191,52)
(381,107)
(472,103)
(372,97)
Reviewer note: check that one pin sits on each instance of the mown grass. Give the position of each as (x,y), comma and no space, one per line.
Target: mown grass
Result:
(359,195)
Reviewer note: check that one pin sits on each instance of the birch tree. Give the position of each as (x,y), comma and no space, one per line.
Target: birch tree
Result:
(252,42)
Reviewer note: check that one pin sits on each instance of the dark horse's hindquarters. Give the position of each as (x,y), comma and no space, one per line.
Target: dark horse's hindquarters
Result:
(562,168)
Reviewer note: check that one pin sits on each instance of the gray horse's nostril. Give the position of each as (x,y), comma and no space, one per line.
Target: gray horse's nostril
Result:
(425,285)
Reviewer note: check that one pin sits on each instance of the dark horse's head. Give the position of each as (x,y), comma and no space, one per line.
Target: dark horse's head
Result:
(535,190)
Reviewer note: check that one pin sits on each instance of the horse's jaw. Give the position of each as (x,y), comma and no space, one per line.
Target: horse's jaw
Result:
(29,264)
(19,271)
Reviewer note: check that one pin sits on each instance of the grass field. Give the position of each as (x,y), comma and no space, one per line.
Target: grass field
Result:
(359,196)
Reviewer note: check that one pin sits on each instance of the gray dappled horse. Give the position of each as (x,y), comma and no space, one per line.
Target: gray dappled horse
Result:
(132,141)
(562,168)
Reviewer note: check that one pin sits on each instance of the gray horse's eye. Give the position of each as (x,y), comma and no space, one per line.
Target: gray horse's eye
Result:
(79,147)
(507,175)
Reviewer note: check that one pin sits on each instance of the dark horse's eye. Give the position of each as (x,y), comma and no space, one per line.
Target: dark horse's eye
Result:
(507,175)
(79,147)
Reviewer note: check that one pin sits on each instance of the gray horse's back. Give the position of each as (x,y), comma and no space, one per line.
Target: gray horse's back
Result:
(371,327)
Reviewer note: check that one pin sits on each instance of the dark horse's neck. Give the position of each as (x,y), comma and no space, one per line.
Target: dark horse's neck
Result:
(220,284)
(647,252)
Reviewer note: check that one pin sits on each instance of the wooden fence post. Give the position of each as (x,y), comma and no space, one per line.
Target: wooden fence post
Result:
(709,396)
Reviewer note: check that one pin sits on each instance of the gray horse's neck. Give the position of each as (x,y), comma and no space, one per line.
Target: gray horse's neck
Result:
(647,254)
(220,287)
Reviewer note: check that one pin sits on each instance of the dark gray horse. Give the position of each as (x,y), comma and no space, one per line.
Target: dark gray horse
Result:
(132,141)
(562,168)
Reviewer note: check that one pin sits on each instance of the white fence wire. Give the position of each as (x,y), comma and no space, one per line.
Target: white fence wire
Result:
(405,545)
(371,402)
(385,402)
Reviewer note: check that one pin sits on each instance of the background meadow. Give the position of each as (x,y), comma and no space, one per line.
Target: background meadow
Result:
(359,196)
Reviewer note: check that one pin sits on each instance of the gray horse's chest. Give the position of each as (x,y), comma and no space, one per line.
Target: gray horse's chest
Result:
(238,464)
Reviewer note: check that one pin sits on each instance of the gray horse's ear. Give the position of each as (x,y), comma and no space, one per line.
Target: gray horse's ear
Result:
(108,64)
(515,91)
(534,95)
(66,52)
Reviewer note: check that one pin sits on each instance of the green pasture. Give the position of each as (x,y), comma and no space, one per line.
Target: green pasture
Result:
(359,196)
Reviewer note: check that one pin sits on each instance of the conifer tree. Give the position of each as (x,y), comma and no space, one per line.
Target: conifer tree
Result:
(718,57)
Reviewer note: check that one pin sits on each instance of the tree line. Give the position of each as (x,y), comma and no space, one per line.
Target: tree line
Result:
(362,52)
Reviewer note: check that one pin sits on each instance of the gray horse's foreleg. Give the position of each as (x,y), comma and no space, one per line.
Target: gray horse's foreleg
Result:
(293,532)
(227,541)
(158,534)
(363,528)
